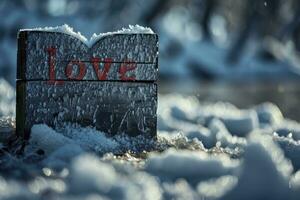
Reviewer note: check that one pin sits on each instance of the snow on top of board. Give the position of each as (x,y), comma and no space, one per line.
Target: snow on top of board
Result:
(132,29)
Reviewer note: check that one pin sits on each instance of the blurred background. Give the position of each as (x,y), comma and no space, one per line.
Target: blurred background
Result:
(244,52)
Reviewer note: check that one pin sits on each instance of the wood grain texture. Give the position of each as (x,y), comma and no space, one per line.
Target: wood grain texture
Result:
(112,107)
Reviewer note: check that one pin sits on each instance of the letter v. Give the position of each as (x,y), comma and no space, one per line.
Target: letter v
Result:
(101,74)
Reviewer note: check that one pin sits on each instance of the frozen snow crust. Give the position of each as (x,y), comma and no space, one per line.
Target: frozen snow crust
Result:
(203,151)
(132,29)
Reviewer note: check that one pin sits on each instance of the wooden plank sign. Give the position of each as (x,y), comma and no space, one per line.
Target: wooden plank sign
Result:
(110,85)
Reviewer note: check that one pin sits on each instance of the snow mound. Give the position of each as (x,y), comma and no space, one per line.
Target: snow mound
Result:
(290,147)
(49,140)
(216,188)
(90,175)
(63,156)
(179,190)
(132,29)
(286,127)
(7,127)
(90,138)
(238,122)
(192,166)
(223,137)
(46,138)
(13,190)
(63,144)
(7,99)
(264,173)
(269,113)
(85,168)
(203,134)
(241,124)
(295,185)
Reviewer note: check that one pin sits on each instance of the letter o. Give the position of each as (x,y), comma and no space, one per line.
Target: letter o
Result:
(69,70)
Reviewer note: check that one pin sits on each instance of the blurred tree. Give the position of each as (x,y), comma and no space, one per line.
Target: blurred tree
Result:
(157,8)
(208,11)
(259,20)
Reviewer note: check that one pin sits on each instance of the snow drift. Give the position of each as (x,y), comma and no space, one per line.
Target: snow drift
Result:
(203,151)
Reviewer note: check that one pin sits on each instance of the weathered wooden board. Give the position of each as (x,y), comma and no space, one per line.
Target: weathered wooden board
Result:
(38,49)
(66,70)
(112,107)
(110,85)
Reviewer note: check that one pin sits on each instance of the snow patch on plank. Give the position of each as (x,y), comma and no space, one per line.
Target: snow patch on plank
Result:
(132,29)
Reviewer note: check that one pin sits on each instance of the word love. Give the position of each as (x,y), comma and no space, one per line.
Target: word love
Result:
(102,74)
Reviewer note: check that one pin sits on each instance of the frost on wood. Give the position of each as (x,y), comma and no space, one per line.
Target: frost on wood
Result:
(38,50)
(112,107)
(132,29)
(108,83)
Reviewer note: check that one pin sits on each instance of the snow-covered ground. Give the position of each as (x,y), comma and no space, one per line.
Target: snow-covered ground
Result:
(203,151)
